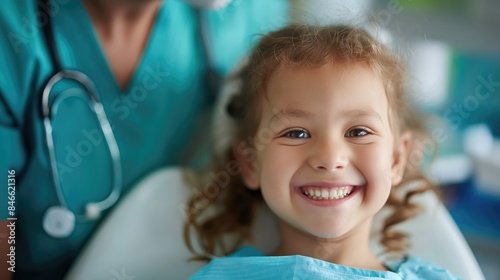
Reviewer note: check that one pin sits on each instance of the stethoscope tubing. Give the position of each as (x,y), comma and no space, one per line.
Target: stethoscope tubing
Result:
(96,106)
(59,220)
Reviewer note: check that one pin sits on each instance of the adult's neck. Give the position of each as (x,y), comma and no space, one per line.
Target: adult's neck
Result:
(351,249)
(109,12)
(123,28)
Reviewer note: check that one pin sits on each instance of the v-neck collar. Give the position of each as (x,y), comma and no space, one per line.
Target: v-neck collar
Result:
(89,27)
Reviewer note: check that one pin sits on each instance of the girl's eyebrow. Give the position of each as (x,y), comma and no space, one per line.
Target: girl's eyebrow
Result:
(300,114)
(361,113)
(289,114)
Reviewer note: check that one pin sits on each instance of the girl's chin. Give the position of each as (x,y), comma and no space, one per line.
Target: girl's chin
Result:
(327,228)
(327,235)
(322,233)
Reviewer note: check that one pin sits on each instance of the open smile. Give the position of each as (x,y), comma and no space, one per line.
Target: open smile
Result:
(326,194)
(318,193)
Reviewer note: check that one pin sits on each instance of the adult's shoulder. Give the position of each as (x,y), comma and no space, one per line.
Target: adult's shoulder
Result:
(20,45)
(18,20)
(237,28)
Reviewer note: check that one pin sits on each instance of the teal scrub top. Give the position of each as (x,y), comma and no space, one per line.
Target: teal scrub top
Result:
(249,263)
(153,119)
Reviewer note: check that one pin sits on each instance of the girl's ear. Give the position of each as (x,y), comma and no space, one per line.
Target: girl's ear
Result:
(246,157)
(400,157)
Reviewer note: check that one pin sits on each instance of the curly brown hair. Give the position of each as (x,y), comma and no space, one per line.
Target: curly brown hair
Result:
(233,205)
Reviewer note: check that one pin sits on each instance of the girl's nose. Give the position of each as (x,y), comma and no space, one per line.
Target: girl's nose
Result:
(328,155)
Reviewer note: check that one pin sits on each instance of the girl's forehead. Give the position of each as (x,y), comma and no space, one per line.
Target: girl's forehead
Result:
(338,87)
(342,77)
(331,71)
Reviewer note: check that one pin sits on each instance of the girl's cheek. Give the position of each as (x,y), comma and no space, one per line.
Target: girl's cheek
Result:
(377,161)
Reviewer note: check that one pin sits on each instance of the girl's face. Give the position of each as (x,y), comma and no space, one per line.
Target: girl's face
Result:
(326,155)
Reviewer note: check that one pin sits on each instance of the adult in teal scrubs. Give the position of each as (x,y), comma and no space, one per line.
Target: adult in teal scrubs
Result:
(153,115)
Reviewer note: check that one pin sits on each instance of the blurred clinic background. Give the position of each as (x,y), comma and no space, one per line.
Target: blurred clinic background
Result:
(452,50)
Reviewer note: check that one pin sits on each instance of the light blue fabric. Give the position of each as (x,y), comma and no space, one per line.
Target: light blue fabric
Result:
(250,263)
(153,119)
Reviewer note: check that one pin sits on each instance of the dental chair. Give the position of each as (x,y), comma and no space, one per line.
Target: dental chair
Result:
(142,237)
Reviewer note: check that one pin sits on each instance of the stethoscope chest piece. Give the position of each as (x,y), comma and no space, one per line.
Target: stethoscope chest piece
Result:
(59,222)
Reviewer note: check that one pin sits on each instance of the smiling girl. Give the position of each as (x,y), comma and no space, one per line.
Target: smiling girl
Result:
(323,138)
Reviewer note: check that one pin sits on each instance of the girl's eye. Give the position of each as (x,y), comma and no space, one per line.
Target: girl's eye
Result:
(298,133)
(357,132)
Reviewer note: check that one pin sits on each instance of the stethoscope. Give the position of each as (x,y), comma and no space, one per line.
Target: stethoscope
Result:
(59,221)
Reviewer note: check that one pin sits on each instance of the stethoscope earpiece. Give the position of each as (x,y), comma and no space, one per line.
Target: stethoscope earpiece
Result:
(92,211)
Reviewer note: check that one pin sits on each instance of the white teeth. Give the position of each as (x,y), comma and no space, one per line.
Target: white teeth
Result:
(325,193)
(333,193)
